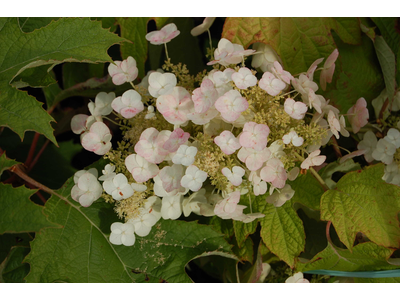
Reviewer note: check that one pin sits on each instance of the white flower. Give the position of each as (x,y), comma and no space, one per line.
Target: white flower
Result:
(227,142)
(118,187)
(98,139)
(123,71)
(171,177)
(281,196)
(171,207)
(140,168)
(264,57)
(185,155)
(384,151)
(87,188)
(102,104)
(194,178)
(272,85)
(296,109)
(244,78)
(228,53)
(194,203)
(203,27)
(297,278)
(161,84)
(108,173)
(368,143)
(234,176)
(129,104)
(313,159)
(393,136)
(293,138)
(122,234)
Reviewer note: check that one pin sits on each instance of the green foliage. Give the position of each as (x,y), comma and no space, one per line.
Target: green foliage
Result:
(12,269)
(134,30)
(387,61)
(65,40)
(18,213)
(364,257)
(308,191)
(282,231)
(300,41)
(363,202)
(6,163)
(58,254)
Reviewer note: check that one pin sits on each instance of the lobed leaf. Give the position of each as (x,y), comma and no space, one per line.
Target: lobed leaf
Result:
(65,40)
(282,231)
(81,251)
(18,213)
(363,202)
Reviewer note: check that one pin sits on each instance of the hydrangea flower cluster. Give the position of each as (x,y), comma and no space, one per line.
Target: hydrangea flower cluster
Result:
(199,144)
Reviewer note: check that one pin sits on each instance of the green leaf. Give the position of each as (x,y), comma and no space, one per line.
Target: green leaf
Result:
(8,240)
(387,61)
(316,240)
(34,77)
(18,213)
(12,270)
(282,232)
(387,28)
(134,30)
(364,257)
(243,230)
(6,163)
(357,74)
(65,40)
(74,73)
(333,167)
(80,251)
(363,202)
(308,191)
(29,24)
(245,252)
(300,41)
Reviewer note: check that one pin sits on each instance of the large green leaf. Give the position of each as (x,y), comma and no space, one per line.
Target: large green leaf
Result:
(134,30)
(363,202)
(387,61)
(308,191)
(81,251)
(65,40)
(282,231)
(300,41)
(18,213)
(364,257)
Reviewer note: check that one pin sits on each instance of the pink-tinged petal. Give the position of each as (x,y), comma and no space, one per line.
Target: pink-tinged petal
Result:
(358,115)
(78,123)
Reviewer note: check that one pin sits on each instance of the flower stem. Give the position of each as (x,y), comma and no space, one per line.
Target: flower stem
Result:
(166,51)
(17,169)
(315,173)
